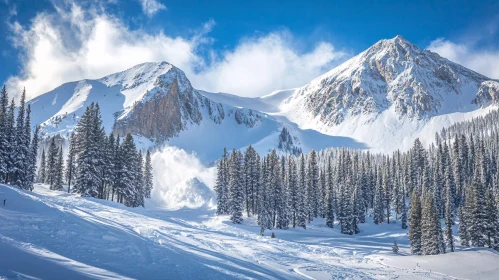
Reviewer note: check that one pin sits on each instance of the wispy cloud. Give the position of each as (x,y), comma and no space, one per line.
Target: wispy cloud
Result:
(74,44)
(151,7)
(474,49)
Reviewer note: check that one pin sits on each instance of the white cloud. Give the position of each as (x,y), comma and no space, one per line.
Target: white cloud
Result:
(151,7)
(260,65)
(74,44)
(481,61)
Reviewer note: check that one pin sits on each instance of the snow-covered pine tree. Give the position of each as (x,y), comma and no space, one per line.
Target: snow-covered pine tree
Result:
(492,222)
(250,179)
(378,209)
(302,211)
(41,171)
(33,152)
(430,244)
(59,172)
(127,172)
(403,215)
(463,228)
(387,190)
(312,185)
(71,161)
(221,185)
(395,247)
(476,216)
(10,133)
(329,193)
(148,177)
(293,189)
(415,224)
(20,152)
(89,142)
(139,181)
(449,238)
(51,164)
(236,187)
(4,102)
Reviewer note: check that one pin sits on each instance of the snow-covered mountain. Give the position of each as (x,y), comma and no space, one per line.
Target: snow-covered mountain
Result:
(390,94)
(382,98)
(157,104)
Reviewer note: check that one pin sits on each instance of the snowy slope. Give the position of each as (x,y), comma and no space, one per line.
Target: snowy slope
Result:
(51,234)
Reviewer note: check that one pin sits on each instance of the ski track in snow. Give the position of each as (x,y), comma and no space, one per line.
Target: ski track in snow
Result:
(101,239)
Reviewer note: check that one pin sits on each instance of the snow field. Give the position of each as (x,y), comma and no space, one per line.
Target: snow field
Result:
(85,238)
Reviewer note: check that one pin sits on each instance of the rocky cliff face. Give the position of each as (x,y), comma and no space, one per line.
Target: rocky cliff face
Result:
(391,74)
(488,93)
(171,106)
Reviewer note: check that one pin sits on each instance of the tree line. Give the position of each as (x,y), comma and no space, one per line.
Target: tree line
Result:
(18,147)
(97,165)
(428,190)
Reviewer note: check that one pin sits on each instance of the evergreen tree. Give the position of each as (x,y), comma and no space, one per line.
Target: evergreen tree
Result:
(221,186)
(21,146)
(312,186)
(430,244)
(236,187)
(51,164)
(293,189)
(395,247)
(33,152)
(71,161)
(58,172)
(463,228)
(492,221)
(302,213)
(403,217)
(329,194)
(148,177)
(4,102)
(477,217)
(10,133)
(127,173)
(41,172)
(250,179)
(449,220)
(415,228)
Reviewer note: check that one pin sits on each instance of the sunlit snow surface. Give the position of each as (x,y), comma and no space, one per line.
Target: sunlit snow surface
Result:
(54,235)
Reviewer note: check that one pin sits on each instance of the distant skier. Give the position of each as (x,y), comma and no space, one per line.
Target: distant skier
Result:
(4,202)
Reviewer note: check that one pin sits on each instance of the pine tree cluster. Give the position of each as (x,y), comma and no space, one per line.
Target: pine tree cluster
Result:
(455,179)
(97,165)
(18,148)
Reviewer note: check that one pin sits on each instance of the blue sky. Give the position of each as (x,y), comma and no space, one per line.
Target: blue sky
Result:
(244,47)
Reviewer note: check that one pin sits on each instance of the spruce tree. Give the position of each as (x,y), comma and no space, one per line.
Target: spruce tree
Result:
(449,220)
(492,221)
(329,194)
(463,228)
(302,213)
(71,161)
(403,217)
(236,187)
(415,224)
(312,186)
(58,172)
(51,164)
(4,102)
(221,186)
(148,177)
(33,152)
(41,172)
(430,244)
